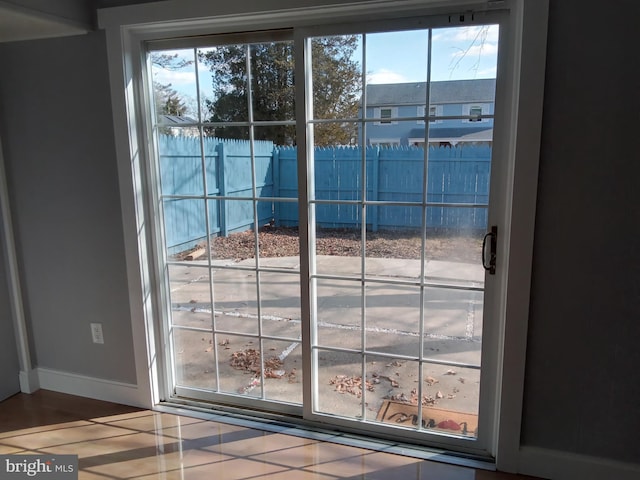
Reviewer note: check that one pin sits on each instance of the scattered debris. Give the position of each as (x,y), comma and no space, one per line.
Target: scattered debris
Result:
(426,400)
(461,379)
(400,397)
(451,372)
(439,395)
(254,383)
(352,385)
(249,360)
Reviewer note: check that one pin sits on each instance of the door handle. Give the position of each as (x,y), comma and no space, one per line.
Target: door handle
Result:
(490,266)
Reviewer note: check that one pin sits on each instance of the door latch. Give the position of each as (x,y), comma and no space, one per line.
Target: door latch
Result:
(489,261)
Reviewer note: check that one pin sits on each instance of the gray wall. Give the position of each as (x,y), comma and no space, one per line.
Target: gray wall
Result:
(583,359)
(60,155)
(9,366)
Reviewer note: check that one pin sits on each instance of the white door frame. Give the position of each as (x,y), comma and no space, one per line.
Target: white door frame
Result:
(127,29)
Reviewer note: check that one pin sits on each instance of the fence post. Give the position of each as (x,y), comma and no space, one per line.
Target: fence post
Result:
(223,190)
(375,186)
(275,164)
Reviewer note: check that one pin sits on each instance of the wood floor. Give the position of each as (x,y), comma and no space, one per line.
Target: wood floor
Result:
(119,442)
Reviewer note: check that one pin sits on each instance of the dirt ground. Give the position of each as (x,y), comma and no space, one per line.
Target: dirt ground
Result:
(284,242)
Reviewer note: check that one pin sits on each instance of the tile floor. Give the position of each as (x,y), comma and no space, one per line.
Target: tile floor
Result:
(118,442)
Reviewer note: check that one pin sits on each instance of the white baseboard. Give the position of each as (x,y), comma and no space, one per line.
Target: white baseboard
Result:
(91,387)
(29,381)
(558,465)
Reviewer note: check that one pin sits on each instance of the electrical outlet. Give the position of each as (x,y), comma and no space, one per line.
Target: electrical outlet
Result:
(96,333)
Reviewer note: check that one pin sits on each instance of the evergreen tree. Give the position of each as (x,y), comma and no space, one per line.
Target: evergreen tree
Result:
(167,100)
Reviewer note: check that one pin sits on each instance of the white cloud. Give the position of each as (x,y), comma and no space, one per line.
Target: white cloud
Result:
(174,77)
(488,72)
(385,76)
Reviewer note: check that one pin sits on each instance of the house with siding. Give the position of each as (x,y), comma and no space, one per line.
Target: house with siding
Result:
(460,111)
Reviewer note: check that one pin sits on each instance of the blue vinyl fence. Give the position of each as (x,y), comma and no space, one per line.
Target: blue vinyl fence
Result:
(458,175)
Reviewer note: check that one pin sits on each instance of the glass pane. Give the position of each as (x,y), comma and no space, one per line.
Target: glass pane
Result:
(396,80)
(338,249)
(239,364)
(337,76)
(464,53)
(236,304)
(450,399)
(279,241)
(184,225)
(194,359)
(283,371)
(273,137)
(339,384)
(272,85)
(337,167)
(280,305)
(180,158)
(393,385)
(174,89)
(336,134)
(464,84)
(453,325)
(226,68)
(394,249)
(235,238)
(392,138)
(454,252)
(236,166)
(339,313)
(393,319)
(190,292)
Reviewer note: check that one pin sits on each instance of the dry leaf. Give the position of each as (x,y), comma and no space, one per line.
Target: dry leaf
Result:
(439,394)
(451,372)
(430,381)
(353,385)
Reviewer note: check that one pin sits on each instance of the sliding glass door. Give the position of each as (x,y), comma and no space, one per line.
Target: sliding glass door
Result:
(323,195)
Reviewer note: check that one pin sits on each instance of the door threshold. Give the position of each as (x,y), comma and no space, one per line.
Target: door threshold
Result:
(276,423)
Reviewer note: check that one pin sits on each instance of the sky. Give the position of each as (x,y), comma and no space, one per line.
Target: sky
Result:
(396,57)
